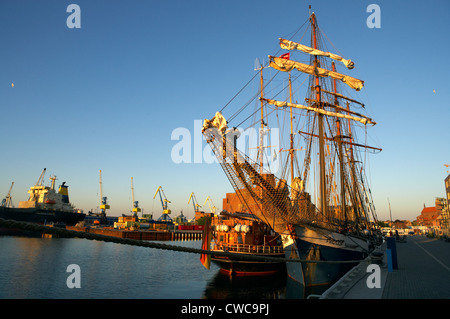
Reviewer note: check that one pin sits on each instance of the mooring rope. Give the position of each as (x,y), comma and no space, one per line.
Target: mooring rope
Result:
(8,223)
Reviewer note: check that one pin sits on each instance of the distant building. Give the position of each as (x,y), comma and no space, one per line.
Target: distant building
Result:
(428,217)
(437,217)
(401,224)
(447,189)
(445,222)
(231,203)
(434,217)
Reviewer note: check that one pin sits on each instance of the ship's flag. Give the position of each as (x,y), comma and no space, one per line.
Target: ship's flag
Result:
(285,56)
(205,259)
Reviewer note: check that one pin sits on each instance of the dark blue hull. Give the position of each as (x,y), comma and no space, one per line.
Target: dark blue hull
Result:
(37,216)
(315,274)
(41,216)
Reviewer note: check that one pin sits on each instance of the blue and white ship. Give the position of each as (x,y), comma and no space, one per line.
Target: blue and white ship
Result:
(45,205)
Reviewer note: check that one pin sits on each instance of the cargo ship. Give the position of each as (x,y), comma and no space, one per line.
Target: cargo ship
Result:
(245,234)
(45,205)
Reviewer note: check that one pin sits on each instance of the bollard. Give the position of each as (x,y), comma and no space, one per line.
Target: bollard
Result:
(389,260)
(391,246)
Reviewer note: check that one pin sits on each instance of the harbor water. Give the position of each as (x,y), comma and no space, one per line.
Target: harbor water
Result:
(37,268)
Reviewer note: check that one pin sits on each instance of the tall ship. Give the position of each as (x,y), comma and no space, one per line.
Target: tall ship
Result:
(45,205)
(305,176)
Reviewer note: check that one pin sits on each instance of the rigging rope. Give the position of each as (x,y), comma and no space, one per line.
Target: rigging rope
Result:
(221,110)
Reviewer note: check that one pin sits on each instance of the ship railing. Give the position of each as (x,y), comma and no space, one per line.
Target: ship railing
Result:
(254,249)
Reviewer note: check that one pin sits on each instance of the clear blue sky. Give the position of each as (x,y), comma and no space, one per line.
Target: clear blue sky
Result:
(109,95)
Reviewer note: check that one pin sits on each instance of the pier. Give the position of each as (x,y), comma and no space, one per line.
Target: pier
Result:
(143,234)
(423,272)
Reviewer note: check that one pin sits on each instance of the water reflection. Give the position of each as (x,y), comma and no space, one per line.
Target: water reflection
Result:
(277,286)
(294,290)
(36,268)
(223,286)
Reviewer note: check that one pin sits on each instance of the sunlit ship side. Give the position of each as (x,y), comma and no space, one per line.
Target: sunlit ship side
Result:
(45,205)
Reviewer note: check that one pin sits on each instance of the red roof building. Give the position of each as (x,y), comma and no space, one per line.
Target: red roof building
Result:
(431,216)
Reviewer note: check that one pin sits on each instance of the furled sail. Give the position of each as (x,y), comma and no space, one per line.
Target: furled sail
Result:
(288,65)
(290,45)
(363,120)
(218,122)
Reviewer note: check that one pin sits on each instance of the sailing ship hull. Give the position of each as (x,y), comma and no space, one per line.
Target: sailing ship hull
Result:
(322,245)
(235,267)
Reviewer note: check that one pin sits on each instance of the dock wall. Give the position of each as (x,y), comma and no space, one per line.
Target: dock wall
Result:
(161,235)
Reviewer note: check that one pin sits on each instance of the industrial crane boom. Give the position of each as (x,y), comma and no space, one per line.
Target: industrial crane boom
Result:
(194,202)
(211,205)
(132,191)
(41,178)
(7,201)
(135,203)
(163,201)
(103,204)
(101,188)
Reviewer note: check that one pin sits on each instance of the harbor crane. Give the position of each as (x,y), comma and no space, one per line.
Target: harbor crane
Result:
(165,215)
(41,178)
(39,183)
(7,201)
(103,203)
(211,205)
(194,202)
(136,207)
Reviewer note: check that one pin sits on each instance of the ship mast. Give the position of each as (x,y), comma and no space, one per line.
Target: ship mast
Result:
(323,195)
(340,153)
(261,133)
(291,149)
